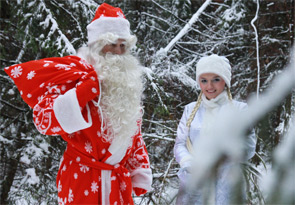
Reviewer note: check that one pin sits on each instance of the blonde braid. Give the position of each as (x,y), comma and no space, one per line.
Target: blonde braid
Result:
(230,97)
(194,111)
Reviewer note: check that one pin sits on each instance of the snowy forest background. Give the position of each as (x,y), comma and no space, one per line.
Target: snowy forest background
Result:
(35,29)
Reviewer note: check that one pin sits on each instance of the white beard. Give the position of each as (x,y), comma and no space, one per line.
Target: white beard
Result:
(121,90)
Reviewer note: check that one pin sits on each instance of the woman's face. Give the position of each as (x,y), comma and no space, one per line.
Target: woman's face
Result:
(117,48)
(211,85)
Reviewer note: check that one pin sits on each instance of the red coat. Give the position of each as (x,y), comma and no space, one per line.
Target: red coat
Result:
(62,93)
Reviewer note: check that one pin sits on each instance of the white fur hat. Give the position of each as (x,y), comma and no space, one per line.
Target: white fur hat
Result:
(108,19)
(218,65)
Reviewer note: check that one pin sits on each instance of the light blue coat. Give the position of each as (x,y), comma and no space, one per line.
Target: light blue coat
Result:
(183,157)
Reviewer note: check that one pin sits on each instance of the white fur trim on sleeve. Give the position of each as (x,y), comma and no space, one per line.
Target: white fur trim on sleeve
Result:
(68,113)
(142,178)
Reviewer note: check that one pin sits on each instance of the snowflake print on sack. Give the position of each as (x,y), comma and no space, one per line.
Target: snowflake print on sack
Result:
(62,201)
(71,195)
(140,157)
(88,147)
(85,64)
(81,73)
(64,168)
(47,63)
(78,159)
(71,135)
(59,187)
(16,72)
(43,118)
(73,65)
(40,98)
(86,192)
(31,75)
(61,160)
(53,88)
(63,88)
(55,129)
(83,168)
(75,176)
(41,85)
(29,95)
(63,66)
(94,187)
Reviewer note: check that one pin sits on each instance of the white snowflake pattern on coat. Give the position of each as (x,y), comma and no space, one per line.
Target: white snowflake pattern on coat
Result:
(94,90)
(88,147)
(94,187)
(83,168)
(123,186)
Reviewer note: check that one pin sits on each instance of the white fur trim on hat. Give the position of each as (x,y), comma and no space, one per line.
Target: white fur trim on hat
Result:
(218,65)
(118,26)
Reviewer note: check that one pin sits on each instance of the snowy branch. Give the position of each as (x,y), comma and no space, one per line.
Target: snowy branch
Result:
(187,26)
(257,49)
(54,27)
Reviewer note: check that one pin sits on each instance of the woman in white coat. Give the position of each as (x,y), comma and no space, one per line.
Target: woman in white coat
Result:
(213,75)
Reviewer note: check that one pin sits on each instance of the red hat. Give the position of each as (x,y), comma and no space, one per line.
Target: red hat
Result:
(108,19)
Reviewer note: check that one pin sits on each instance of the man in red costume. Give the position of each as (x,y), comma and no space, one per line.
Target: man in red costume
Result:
(93,100)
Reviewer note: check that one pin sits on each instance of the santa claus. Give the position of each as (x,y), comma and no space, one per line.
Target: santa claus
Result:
(93,100)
